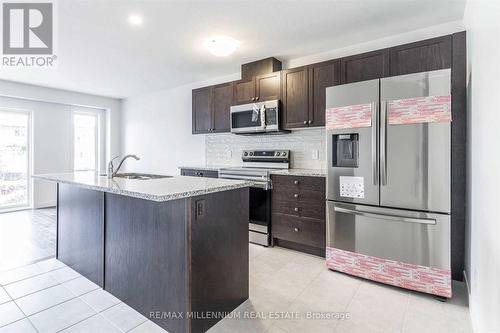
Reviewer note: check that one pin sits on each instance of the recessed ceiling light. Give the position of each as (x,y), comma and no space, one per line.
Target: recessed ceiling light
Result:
(221,46)
(135,19)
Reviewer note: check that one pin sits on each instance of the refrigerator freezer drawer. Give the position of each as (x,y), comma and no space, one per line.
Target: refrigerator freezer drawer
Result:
(404,236)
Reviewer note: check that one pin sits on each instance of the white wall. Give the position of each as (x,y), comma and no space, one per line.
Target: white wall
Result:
(52,129)
(157,126)
(482,20)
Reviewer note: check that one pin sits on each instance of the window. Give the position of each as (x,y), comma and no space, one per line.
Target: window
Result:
(15,148)
(85,129)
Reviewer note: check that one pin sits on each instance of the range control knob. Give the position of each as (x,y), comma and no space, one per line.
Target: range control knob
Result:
(245,154)
(284,153)
(278,153)
(250,153)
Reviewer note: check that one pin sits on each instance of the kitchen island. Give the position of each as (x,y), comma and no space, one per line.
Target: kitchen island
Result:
(175,249)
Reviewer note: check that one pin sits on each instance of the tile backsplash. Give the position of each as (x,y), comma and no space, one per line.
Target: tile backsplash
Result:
(225,149)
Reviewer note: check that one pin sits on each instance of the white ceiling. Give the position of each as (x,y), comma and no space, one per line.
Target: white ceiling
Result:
(100,53)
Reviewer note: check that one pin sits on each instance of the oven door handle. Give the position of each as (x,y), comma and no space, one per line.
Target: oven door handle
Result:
(257,181)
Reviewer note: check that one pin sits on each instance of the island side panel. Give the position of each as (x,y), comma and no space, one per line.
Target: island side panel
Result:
(80,230)
(219,254)
(146,257)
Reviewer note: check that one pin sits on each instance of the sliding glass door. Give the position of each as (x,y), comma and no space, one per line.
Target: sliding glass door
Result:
(15,148)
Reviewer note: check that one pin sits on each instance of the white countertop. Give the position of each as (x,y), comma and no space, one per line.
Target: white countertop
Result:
(300,172)
(160,189)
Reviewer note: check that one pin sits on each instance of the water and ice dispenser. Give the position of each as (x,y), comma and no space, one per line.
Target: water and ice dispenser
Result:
(345,150)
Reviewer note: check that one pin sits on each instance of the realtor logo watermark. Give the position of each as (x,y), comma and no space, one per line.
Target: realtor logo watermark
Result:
(28,34)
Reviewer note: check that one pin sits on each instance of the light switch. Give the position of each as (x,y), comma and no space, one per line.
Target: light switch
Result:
(315,154)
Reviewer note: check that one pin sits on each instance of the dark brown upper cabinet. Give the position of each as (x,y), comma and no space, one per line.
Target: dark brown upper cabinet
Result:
(222,98)
(244,91)
(260,67)
(211,108)
(304,93)
(321,76)
(263,87)
(267,86)
(427,55)
(202,110)
(295,99)
(365,66)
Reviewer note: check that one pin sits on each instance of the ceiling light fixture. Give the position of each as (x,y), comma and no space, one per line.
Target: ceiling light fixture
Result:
(221,46)
(135,19)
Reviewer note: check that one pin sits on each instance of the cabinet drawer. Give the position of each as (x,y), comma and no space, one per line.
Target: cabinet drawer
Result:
(300,209)
(302,183)
(299,230)
(286,194)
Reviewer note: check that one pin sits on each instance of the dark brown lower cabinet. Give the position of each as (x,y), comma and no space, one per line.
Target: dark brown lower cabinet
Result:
(186,256)
(299,213)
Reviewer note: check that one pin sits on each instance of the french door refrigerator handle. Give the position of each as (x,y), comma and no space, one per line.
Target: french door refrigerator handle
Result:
(383,143)
(374,142)
(385,217)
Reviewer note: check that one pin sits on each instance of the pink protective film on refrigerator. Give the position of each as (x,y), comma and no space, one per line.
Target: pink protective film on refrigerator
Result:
(431,109)
(415,277)
(353,116)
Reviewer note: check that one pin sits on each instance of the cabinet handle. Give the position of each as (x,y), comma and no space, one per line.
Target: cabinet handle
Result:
(296,182)
(305,122)
(296,229)
(296,209)
(295,195)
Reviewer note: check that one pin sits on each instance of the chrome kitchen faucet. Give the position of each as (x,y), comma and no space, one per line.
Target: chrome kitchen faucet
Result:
(111,171)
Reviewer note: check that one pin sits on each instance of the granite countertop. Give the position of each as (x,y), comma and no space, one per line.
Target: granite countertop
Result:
(300,172)
(160,189)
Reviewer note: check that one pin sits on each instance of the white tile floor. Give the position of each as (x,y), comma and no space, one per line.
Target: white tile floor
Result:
(27,236)
(283,280)
(49,297)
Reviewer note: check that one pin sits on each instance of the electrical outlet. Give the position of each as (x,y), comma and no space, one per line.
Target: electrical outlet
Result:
(315,154)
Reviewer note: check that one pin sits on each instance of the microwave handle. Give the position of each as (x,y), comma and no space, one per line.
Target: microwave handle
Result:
(263,115)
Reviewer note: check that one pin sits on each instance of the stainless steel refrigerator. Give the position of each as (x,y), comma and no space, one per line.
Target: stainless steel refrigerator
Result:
(388,180)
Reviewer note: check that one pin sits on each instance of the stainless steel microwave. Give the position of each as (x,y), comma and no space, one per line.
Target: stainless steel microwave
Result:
(255,117)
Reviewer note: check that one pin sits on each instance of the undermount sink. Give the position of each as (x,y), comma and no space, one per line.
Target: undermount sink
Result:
(141,176)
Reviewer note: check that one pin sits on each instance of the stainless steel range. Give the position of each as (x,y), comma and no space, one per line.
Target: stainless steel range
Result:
(256,167)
